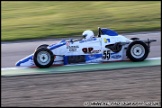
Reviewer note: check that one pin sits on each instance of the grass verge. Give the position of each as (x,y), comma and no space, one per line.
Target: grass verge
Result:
(44,19)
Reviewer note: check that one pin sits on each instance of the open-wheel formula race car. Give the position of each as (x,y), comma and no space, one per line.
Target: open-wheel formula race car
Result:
(106,46)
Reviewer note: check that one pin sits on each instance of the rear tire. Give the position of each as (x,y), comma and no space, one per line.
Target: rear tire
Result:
(134,39)
(137,51)
(43,58)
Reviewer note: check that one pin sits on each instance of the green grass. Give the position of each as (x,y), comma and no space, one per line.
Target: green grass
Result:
(40,19)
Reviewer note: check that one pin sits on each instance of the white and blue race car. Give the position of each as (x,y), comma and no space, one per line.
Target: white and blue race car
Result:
(106,46)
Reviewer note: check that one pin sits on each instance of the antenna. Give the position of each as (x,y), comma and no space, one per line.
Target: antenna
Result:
(99,32)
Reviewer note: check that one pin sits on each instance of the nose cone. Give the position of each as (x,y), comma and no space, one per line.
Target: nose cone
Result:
(18,63)
(27,61)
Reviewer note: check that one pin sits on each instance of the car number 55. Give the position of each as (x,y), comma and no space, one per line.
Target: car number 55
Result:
(106,54)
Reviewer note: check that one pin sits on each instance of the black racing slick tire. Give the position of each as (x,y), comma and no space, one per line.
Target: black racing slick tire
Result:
(137,51)
(134,39)
(43,58)
(42,46)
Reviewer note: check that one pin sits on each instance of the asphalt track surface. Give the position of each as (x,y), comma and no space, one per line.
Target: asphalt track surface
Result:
(128,85)
(74,89)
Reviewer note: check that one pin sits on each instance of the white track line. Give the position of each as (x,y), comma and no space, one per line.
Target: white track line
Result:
(155,58)
(14,68)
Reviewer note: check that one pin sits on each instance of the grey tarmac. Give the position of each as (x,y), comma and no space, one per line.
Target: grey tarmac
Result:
(136,84)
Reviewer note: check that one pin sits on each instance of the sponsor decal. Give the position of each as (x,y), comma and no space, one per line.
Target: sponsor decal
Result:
(90,50)
(90,39)
(95,51)
(106,40)
(67,43)
(93,57)
(72,48)
(116,56)
(76,59)
(87,50)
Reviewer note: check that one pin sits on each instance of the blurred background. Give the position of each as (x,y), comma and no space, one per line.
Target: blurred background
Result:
(46,19)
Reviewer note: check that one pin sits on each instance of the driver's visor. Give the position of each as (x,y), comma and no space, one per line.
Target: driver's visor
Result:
(84,36)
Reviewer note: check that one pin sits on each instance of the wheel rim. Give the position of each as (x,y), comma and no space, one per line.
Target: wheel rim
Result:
(43,58)
(137,51)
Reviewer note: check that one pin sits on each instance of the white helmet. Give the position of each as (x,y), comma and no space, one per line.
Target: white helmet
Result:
(87,34)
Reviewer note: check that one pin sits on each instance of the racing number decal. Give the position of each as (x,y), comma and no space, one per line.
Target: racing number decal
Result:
(106,54)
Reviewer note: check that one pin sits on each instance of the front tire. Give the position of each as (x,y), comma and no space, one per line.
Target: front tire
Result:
(42,46)
(137,51)
(43,58)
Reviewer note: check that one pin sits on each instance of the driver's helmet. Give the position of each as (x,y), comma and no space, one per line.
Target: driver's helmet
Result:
(87,34)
